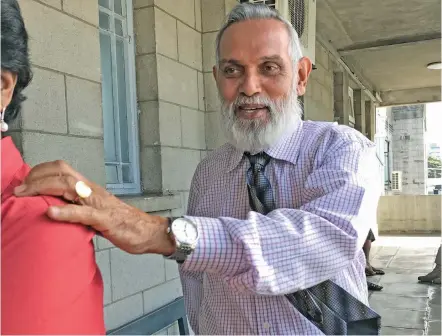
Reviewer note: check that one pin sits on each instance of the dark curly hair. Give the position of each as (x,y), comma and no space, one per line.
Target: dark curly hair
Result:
(15,53)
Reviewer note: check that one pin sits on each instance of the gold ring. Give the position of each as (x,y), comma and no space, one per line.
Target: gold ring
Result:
(82,189)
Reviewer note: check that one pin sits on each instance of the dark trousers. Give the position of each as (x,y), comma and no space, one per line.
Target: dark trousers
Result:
(371,236)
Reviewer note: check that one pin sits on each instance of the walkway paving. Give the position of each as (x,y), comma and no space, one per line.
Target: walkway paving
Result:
(406,306)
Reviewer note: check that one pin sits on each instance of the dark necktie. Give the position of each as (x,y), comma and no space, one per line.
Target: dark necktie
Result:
(260,190)
(329,307)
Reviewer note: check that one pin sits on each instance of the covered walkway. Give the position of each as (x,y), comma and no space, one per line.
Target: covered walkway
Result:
(406,306)
(387,45)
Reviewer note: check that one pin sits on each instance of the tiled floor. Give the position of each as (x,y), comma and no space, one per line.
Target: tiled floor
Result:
(406,306)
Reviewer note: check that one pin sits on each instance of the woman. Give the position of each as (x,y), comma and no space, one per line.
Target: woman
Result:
(50,282)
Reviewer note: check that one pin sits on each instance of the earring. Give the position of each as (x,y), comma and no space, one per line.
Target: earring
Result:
(4,125)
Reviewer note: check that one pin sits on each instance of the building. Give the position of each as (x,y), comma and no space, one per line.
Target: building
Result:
(384,145)
(434,181)
(123,91)
(409,148)
(434,150)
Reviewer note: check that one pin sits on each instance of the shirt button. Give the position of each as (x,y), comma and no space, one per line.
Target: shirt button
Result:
(266,325)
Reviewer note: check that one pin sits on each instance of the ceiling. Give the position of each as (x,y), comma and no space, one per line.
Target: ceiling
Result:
(387,44)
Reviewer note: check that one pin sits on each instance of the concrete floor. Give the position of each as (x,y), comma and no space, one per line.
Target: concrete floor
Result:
(406,306)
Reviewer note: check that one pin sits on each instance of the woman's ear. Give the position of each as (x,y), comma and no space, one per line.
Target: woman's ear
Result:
(9,80)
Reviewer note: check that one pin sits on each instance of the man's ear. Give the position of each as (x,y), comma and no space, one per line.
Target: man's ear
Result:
(304,70)
(9,80)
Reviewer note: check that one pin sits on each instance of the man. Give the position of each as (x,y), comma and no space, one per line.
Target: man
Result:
(369,269)
(258,226)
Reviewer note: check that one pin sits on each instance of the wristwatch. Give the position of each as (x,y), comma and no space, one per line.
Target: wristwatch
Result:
(185,234)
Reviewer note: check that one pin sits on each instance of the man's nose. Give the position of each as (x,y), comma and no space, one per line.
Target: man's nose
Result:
(251,84)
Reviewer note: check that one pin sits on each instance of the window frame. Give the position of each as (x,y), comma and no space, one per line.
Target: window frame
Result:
(131,99)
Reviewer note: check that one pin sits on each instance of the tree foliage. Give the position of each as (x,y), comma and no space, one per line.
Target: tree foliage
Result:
(434,167)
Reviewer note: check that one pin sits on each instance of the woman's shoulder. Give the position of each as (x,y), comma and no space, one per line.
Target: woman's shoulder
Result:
(51,265)
(27,215)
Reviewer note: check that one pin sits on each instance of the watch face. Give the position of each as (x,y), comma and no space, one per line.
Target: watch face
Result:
(184,231)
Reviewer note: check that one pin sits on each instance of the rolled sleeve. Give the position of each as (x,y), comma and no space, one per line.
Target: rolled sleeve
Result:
(216,252)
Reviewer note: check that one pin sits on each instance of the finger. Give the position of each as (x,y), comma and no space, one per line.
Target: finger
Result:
(65,187)
(58,169)
(53,168)
(97,219)
(61,186)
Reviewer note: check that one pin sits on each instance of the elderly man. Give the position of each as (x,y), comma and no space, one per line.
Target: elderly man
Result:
(284,206)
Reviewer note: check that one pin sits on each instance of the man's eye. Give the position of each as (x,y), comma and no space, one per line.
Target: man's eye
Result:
(230,71)
(271,68)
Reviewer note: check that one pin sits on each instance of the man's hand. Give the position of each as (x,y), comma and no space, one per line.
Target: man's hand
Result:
(126,227)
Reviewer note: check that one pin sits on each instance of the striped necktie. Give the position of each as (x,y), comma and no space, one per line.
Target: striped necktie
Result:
(260,190)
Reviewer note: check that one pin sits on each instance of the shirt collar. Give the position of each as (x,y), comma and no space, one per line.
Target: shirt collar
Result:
(286,149)
(11,162)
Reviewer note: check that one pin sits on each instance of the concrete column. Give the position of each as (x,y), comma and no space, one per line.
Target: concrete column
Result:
(342,108)
(370,119)
(213,15)
(359,104)
(172,117)
(318,98)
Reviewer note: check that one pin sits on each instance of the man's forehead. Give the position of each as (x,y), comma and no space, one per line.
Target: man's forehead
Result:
(256,35)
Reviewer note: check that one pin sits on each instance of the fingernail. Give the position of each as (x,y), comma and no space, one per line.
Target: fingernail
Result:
(20,189)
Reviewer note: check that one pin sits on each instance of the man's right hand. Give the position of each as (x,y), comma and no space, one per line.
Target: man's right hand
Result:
(128,228)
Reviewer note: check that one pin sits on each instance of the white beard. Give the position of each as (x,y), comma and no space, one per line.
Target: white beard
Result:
(257,135)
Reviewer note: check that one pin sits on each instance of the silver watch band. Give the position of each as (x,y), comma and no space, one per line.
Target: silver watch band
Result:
(182,251)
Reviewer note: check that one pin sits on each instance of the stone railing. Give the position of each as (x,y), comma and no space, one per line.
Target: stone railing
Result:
(409,214)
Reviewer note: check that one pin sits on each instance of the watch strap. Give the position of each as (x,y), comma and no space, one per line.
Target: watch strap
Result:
(181,253)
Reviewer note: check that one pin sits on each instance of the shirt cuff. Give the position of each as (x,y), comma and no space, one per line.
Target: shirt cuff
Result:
(215,251)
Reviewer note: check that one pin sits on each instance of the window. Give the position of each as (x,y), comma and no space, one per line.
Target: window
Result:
(119,96)
(387,167)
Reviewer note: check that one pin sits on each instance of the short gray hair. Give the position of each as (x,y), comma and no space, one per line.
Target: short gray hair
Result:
(250,11)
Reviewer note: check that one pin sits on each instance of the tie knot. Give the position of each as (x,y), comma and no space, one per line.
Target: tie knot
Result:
(259,160)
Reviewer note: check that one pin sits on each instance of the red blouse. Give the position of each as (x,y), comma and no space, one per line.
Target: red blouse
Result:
(50,282)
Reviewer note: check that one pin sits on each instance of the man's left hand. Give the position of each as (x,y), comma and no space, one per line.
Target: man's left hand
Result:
(126,227)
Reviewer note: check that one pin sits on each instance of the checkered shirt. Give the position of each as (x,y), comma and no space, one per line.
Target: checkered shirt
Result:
(326,186)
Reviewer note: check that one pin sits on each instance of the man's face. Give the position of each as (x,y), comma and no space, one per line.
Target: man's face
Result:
(258,83)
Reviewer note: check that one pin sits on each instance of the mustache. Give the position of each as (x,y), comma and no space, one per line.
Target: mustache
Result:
(258,100)
(253,100)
